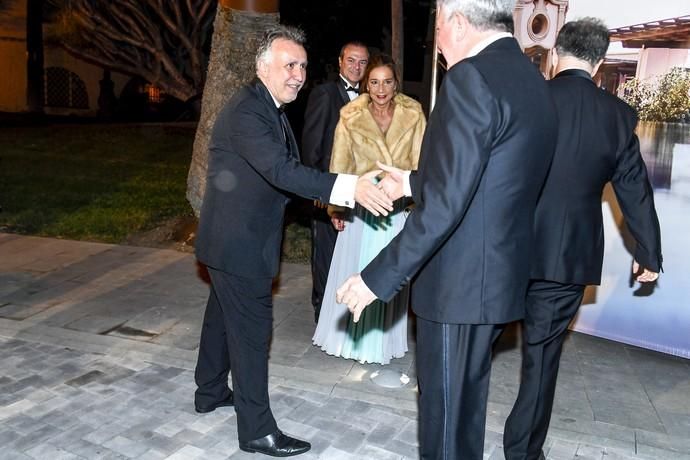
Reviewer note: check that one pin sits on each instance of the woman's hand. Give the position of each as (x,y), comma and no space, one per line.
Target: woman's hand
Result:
(338,221)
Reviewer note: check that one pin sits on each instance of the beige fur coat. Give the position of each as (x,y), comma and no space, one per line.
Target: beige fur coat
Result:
(359,142)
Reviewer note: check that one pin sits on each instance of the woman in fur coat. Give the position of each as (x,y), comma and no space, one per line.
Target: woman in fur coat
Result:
(383,125)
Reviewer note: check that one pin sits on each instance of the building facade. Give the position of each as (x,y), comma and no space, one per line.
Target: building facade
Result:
(71,86)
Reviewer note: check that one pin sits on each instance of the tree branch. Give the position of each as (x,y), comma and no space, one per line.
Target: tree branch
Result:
(159,40)
(178,32)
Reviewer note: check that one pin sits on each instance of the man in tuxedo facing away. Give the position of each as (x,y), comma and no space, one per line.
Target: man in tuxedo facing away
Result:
(469,239)
(320,118)
(253,168)
(596,144)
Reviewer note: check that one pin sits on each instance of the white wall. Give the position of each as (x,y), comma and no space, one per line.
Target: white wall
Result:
(658,61)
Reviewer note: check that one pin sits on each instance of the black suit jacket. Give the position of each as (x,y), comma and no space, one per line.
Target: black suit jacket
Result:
(251,173)
(596,144)
(320,118)
(484,159)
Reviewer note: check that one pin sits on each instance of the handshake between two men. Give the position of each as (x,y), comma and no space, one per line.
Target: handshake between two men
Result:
(395,182)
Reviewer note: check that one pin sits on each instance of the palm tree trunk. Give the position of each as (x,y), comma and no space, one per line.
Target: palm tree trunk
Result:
(397,36)
(238,27)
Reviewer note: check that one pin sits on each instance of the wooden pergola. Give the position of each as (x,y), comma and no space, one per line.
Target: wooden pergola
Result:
(667,33)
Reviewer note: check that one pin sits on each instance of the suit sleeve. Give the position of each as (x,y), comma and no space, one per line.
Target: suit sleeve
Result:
(315,123)
(636,199)
(254,136)
(456,151)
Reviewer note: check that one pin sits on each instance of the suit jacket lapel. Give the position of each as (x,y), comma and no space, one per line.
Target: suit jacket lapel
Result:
(339,83)
(294,150)
(275,113)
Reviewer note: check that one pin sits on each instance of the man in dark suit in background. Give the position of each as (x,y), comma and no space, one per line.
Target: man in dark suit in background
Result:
(596,144)
(253,168)
(320,118)
(469,239)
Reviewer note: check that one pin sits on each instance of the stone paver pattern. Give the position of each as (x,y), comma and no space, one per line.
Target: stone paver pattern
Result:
(98,345)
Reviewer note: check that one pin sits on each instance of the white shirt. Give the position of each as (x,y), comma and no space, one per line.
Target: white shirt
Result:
(479,47)
(351,94)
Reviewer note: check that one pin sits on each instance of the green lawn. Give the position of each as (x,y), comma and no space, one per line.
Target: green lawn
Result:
(92,182)
(101,183)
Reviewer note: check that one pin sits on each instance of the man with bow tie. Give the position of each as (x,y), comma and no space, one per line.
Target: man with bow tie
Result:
(320,119)
(253,169)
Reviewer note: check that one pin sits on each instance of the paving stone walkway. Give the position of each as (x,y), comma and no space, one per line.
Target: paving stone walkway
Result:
(98,346)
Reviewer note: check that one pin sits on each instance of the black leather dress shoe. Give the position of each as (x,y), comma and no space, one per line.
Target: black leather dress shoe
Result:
(229,401)
(276,444)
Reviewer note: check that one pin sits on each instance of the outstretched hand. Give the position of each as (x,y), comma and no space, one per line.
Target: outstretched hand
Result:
(644,275)
(338,221)
(393,181)
(356,294)
(368,195)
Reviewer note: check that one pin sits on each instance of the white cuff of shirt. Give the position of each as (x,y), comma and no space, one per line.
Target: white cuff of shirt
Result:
(343,192)
(407,189)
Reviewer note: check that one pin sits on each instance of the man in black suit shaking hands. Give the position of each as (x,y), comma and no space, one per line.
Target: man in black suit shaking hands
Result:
(485,156)
(596,144)
(320,119)
(253,168)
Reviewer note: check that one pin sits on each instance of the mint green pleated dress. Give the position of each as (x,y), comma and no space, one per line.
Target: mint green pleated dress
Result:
(381,333)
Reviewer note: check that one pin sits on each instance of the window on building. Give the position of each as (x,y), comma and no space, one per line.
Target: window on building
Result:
(153,93)
(64,88)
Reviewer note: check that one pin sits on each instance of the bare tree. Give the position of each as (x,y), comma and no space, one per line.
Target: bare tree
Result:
(161,41)
(238,27)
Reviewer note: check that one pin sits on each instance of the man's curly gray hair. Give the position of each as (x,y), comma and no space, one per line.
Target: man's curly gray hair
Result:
(482,14)
(294,34)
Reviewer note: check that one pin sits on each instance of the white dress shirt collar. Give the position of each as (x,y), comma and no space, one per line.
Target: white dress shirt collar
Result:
(479,47)
(275,101)
(347,83)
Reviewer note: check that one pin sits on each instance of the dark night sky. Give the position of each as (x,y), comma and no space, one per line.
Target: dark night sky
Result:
(330,23)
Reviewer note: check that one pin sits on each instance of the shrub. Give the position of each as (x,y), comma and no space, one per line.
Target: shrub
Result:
(664,98)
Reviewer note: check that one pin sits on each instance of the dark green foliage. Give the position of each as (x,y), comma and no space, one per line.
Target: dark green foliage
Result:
(104,183)
(99,183)
(297,243)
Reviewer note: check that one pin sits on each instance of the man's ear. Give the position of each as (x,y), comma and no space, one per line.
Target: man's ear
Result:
(460,26)
(261,68)
(596,67)
(554,60)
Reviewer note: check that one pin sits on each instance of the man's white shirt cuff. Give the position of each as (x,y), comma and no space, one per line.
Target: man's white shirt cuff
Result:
(343,192)
(407,189)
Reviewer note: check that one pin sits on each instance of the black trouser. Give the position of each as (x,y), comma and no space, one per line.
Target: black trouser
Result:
(236,334)
(453,367)
(323,238)
(550,308)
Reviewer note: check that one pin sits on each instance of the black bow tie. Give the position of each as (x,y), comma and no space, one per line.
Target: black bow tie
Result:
(351,88)
(281,108)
